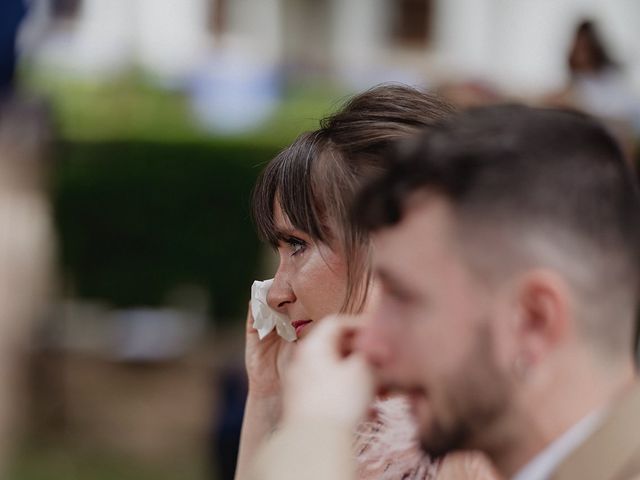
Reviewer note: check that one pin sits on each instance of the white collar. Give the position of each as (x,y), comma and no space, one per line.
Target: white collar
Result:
(543,464)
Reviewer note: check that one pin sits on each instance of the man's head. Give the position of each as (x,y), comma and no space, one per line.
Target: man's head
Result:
(506,245)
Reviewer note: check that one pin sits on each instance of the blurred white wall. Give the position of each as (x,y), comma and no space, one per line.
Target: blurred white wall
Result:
(359,33)
(170,35)
(518,45)
(168,38)
(463,31)
(104,35)
(522,44)
(256,25)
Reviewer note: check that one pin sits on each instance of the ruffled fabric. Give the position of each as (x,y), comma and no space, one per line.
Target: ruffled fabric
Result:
(387,449)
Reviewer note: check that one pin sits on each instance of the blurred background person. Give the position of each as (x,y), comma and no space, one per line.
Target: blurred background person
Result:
(597,86)
(26,247)
(12,13)
(228,421)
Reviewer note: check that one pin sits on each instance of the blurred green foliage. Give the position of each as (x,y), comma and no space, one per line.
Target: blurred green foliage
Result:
(146,201)
(136,219)
(132,108)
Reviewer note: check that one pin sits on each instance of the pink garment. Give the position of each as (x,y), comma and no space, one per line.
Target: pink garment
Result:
(387,449)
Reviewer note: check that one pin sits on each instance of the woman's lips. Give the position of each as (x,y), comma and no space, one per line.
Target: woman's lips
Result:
(299,325)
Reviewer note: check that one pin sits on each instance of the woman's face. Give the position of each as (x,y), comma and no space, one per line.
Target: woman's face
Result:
(311,280)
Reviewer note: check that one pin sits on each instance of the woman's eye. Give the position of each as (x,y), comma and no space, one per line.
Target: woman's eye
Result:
(296,245)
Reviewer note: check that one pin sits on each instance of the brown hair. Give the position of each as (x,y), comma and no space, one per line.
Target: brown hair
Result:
(316,178)
(598,56)
(525,174)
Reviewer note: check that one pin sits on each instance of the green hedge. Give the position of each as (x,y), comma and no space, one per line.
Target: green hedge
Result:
(135,219)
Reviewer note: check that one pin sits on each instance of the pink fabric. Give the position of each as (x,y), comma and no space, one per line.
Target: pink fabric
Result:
(386,447)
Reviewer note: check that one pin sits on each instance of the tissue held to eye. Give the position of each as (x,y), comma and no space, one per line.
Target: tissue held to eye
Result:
(265,319)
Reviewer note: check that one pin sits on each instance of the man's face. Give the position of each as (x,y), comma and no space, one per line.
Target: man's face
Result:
(431,332)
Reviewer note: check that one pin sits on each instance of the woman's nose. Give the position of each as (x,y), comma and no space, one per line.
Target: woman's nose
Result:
(280,294)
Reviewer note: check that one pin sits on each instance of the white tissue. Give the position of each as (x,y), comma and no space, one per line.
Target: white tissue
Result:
(264,317)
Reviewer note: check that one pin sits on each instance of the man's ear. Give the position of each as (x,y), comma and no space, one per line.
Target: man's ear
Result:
(544,314)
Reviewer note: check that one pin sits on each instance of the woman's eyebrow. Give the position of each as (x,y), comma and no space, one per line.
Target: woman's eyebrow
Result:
(284,232)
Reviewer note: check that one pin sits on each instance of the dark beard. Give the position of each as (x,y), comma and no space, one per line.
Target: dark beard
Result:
(443,441)
(478,395)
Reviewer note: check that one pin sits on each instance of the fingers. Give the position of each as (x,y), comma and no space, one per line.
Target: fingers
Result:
(356,367)
(250,329)
(327,379)
(333,336)
(249,324)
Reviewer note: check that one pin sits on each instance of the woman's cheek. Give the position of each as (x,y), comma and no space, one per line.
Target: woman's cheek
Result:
(324,290)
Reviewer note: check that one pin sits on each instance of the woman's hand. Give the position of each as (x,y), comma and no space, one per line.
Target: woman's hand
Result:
(327,380)
(265,361)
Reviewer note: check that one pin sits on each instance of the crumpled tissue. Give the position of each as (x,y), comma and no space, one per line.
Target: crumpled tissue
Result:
(264,317)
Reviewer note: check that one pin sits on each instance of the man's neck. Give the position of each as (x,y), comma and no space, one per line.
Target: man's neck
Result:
(549,413)
(545,462)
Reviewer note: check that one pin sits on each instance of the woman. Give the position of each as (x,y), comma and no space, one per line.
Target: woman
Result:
(301,207)
(598,85)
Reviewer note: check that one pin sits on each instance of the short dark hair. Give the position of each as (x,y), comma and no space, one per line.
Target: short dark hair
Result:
(316,178)
(553,173)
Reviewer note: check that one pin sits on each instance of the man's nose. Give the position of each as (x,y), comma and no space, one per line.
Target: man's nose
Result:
(371,341)
(280,294)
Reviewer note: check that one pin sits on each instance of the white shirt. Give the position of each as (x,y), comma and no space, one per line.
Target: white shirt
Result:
(543,464)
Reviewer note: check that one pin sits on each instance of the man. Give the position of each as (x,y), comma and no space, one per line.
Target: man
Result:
(506,256)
